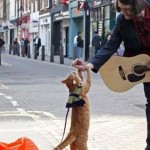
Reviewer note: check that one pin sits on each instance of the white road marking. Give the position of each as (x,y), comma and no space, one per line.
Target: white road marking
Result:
(15,103)
(20,109)
(8,97)
(2,94)
(6,64)
(3,87)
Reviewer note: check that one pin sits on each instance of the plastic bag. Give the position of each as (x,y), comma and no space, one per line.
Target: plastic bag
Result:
(20,144)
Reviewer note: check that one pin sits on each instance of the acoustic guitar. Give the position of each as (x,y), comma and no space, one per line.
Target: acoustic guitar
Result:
(122,73)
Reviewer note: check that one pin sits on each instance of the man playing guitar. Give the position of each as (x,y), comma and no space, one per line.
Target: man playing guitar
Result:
(133,28)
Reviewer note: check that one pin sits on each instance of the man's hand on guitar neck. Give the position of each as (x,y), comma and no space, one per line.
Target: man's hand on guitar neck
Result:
(148,64)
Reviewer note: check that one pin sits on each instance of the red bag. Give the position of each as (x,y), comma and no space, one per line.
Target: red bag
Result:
(20,144)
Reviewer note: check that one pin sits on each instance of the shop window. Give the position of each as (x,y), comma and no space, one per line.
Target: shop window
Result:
(99,13)
(36,6)
(107,12)
(102,13)
(1,12)
(45,3)
(42,4)
(94,14)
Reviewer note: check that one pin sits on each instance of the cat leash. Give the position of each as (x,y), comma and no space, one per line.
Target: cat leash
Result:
(73,101)
(65,124)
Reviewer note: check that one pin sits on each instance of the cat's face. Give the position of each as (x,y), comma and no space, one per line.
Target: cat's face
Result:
(72,80)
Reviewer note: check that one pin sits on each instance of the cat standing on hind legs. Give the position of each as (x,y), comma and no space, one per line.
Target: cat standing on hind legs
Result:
(80,118)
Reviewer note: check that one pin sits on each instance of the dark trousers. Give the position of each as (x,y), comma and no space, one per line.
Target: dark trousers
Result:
(147,95)
(26,50)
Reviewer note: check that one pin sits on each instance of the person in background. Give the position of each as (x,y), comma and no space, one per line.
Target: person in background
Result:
(16,43)
(37,42)
(106,38)
(79,45)
(96,41)
(26,43)
(22,47)
(2,42)
(132,28)
(75,41)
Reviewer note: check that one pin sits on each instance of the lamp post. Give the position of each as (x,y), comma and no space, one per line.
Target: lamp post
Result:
(86,29)
(19,8)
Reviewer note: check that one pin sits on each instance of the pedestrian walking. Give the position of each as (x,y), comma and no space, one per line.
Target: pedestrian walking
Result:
(37,42)
(96,41)
(132,28)
(26,43)
(15,47)
(79,45)
(2,42)
(75,41)
(22,47)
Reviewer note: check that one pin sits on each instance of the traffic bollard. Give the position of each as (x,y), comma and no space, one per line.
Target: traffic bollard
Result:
(18,49)
(28,51)
(0,55)
(35,51)
(61,53)
(10,48)
(52,54)
(43,53)
(23,50)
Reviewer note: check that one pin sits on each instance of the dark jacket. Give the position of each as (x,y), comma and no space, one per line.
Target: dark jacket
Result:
(96,42)
(39,42)
(2,42)
(79,42)
(123,31)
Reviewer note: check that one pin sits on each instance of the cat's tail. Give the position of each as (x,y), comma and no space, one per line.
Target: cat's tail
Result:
(69,140)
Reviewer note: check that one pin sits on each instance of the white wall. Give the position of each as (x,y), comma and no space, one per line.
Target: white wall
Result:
(12,10)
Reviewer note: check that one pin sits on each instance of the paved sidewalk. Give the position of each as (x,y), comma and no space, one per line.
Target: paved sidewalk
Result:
(107,132)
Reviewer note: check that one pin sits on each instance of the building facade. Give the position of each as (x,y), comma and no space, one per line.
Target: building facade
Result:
(56,22)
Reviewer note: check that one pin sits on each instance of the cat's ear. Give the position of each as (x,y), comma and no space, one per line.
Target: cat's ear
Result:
(74,82)
(63,81)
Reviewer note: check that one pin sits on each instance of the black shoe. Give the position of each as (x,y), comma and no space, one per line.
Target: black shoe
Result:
(147,148)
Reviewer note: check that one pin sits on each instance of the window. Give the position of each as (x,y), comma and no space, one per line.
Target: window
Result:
(32,7)
(1,12)
(107,12)
(45,3)
(42,4)
(36,5)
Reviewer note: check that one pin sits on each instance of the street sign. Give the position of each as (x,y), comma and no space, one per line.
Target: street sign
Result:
(81,5)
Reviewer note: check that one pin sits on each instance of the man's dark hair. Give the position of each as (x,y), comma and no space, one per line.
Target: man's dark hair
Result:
(136,6)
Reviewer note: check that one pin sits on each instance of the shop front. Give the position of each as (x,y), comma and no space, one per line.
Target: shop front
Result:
(60,28)
(44,31)
(103,17)
(24,27)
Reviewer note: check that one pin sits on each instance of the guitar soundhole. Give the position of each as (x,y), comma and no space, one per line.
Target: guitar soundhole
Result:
(138,73)
(139,70)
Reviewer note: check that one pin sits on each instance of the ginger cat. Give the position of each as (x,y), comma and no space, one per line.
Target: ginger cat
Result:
(80,117)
